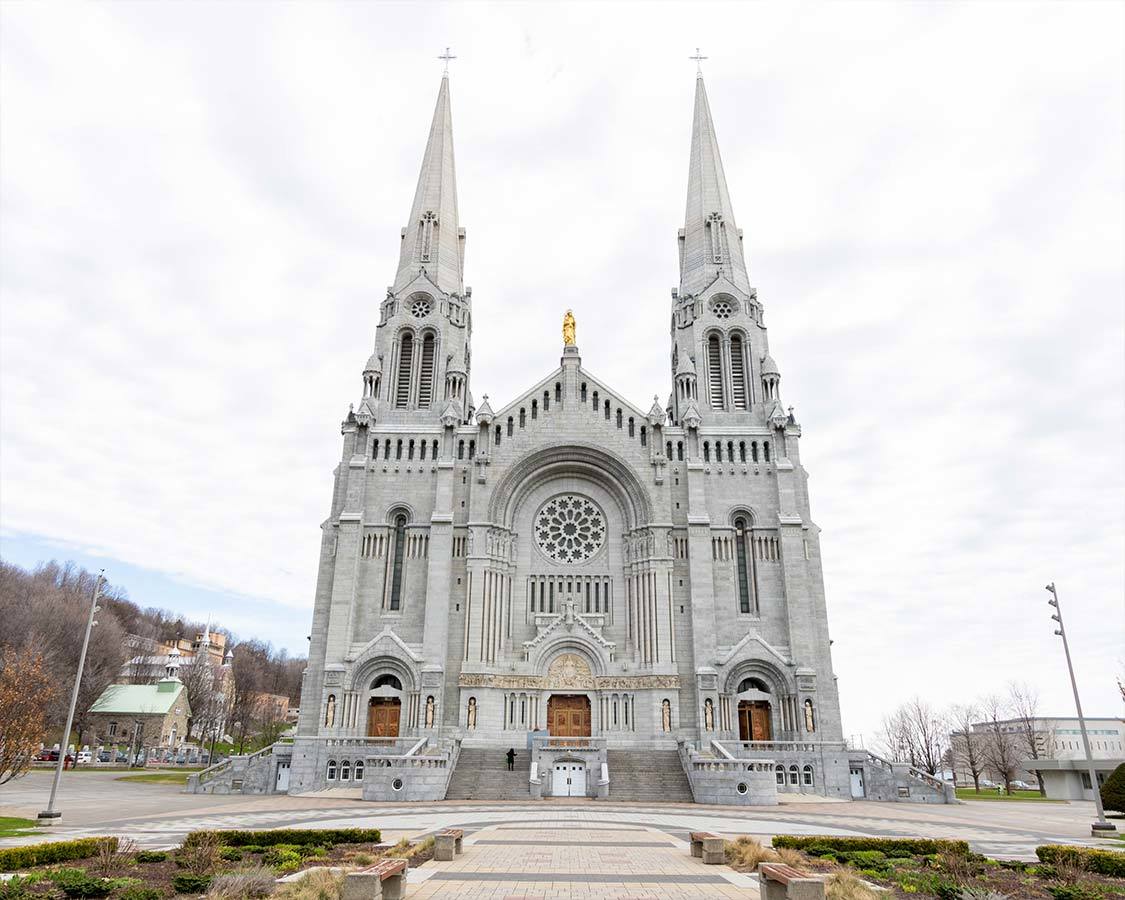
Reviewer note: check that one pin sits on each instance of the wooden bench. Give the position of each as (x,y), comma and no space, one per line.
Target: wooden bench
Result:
(709,846)
(447,844)
(782,882)
(386,880)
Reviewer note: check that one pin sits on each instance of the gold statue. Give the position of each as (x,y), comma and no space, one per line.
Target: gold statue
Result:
(568,329)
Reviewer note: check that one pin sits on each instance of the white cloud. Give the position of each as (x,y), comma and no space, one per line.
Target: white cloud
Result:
(201,208)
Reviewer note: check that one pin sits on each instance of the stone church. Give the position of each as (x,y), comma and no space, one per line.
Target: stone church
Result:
(566,572)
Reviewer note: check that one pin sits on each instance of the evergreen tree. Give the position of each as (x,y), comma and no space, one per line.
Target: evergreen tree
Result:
(1113,790)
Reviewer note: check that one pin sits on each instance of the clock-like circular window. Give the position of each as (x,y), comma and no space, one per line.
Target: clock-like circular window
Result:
(570,528)
(420,308)
(722,308)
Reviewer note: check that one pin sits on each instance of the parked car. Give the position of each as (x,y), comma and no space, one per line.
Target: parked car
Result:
(44,755)
(84,757)
(181,759)
(121,757)
(1024,786)
(104,756)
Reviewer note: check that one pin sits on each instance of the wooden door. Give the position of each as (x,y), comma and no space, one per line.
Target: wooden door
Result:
(760,722)
(383,716)
(568,715)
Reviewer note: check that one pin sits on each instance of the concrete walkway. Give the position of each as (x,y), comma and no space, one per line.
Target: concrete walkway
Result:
(575,859)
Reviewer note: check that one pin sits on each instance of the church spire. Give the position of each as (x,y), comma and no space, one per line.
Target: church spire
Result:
(433,241)
(710,242)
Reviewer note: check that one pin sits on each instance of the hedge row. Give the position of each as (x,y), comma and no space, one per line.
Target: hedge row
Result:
(53,852)
(1104,862)
(299,836)
(889,846)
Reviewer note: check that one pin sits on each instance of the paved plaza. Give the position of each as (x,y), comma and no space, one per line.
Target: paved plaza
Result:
(565,848)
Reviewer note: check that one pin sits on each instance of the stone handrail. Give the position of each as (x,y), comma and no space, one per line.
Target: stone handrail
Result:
(724,753)
(914,772)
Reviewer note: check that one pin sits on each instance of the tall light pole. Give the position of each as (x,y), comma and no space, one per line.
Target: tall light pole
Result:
(50,815)
(1101,826)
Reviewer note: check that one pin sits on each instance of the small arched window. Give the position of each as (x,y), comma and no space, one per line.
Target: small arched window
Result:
(738,373)
(679,451)
(582,392)
(766,450)
(794,776)
(742,451)
(779,773)
(426,382)
(461,449)
(740,538)
(345,771)
(405,368)
(714,372)
(330,773)
(396,573)
(807,776)
(511,426)
(668,450)
(707,451)
(358,775)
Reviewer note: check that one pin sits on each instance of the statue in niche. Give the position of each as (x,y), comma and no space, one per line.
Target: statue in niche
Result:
(666,715)
(709,715)
(810,721)
(568,329)
(330,711)
(430,711)
(472,715)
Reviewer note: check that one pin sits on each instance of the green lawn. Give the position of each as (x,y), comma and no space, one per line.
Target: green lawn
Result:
(169,776)
(986,794)
(10,826)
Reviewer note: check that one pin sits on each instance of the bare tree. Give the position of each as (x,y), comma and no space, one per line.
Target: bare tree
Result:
(967,749)
(1024,699)
(916,733)
(1002,749)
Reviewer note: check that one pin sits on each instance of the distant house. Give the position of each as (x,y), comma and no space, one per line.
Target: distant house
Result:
(140,715)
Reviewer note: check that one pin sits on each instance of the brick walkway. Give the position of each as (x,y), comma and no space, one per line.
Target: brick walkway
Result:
(617,862)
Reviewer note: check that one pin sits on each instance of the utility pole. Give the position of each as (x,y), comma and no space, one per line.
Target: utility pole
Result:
(1100,827)
(50,815)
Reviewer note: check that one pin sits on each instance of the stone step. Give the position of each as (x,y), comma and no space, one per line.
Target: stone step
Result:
(647,775)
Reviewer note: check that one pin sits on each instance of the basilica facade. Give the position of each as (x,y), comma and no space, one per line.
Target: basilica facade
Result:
(560,560)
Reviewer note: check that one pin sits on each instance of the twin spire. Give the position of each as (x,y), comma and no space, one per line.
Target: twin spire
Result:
(434,242)
(710,242)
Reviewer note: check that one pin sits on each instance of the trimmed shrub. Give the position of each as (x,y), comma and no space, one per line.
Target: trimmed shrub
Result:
(326,836)
(230,854)
(1113,790)
(186,883)
(823,845)
(78,886)
(1103,862)
(140,892)
(148,856)
(44,854)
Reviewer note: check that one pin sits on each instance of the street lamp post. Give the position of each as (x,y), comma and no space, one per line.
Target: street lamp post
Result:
(1101,826)
(50,815)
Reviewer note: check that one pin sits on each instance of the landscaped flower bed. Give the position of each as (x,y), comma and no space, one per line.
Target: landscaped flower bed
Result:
(946,870)
(235,865)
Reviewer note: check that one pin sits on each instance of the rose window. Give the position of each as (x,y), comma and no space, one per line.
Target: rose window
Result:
(722,309)
(570,529)
(420,308)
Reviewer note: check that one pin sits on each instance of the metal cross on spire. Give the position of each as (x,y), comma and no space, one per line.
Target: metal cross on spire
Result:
(699,57)
(447,56)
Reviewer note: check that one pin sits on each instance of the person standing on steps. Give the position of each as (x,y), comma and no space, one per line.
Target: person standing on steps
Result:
(511,754)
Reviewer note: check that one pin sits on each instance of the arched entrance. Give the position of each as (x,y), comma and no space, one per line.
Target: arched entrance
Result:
(754,721)
(568,715)
(383,716)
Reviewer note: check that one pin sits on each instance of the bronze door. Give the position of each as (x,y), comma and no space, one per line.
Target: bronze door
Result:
(383,716)
(568,715)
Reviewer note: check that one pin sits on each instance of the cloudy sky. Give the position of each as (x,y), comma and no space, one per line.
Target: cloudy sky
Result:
(200,212)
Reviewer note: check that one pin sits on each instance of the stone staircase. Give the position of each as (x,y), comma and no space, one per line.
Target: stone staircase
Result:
(482,774)
(648,775)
